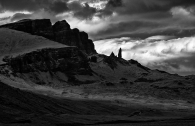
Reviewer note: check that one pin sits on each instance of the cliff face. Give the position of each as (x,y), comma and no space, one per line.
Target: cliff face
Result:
(68,61)
(72,37)
(59,32)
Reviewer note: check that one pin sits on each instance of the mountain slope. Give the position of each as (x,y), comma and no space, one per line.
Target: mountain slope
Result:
(14,42)
(129,78)
(59,32)
(21,107)
(63,68)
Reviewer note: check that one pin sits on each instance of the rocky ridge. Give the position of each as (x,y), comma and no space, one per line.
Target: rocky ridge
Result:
(59,32)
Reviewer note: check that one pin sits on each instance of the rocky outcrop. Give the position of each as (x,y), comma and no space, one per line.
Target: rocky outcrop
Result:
(112,55)
(120,53)
(69,60)
(74,37)
(59,32)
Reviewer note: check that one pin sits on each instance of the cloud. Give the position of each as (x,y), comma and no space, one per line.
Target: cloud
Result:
(82,11)
(144,6)
(174,55)
(19,16)
(21,5)
(127,28)
(78,9)
(146,25)
(114,3)
(156,17)
(40,14)
(22,9)
(160,37)
(59,7)
(180,11)
(52,9)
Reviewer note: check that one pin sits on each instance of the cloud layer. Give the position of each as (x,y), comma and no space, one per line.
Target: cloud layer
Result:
(48,8)
(174,55)
(144,18)
(116,18)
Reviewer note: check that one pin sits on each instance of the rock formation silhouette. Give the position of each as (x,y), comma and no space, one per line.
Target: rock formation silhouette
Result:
(59,32)
(120,53)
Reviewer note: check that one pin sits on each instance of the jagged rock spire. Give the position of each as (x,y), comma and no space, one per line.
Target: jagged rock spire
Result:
(120,53)
(112,55)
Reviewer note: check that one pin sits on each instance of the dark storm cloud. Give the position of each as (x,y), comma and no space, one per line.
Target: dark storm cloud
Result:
(59,7)
(19,5)
(56,6)
(19,16)
(142,32)
(114,3)
(82,12)
(51,6)
(144,6)
(157,17)
(136,29)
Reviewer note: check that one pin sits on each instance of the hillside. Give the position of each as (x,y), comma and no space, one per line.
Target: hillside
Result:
(68,69)
(14,42)
(23,108)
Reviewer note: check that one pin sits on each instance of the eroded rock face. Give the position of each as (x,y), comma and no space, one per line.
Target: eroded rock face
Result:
(61,26)
(69,60)
(59,32)
(73,37)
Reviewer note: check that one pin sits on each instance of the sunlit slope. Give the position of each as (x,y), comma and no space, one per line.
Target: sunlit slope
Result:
(15,42)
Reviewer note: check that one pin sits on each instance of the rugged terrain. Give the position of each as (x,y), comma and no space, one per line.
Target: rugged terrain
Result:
(52,75)
(59,32)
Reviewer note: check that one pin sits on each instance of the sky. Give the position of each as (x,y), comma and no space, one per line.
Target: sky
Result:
(157,33)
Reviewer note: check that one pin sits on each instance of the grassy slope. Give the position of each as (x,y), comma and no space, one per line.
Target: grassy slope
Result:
(15,42)
(22,108)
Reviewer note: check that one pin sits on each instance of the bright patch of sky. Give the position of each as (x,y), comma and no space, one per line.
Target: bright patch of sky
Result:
(98,4)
